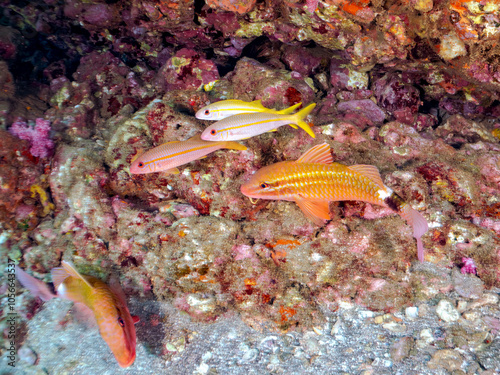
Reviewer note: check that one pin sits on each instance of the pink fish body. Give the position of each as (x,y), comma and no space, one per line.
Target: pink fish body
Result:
(314,180)
(168,156)
(107,304)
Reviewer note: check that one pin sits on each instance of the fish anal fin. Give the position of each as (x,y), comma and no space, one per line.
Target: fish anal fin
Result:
(71,271)
(316,211)
(294,126)
(369,171)
(317,154)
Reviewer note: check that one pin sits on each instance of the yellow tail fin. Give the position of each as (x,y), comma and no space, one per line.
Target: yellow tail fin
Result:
(301,115)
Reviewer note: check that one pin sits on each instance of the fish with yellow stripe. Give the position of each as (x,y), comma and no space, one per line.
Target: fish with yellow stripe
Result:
(168,156)
(247,125)
(314,180)
(225,108)
(107,303)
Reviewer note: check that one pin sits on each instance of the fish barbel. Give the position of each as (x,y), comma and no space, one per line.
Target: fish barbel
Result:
(314,180)
(168,156)
(225,108)
(247,125)
(107,303)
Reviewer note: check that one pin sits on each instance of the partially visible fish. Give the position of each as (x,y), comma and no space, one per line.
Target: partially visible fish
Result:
(314,180)
(168,156)
(107,304)
(226,108)
(248,125)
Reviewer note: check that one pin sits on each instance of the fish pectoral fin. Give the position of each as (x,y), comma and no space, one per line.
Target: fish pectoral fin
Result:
(71,271)
(172,171)
(369,171)
(318,154)
(84,315)
(135,319)
(316,211)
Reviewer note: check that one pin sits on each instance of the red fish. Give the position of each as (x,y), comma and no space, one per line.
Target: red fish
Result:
(108,305)
(314,180)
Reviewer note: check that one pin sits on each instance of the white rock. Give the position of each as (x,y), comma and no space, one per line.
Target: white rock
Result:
(446,311)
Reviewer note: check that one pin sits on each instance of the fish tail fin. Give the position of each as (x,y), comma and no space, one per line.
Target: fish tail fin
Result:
(289,110)
(301,115)
(37,287)
(419,224)
(234,146)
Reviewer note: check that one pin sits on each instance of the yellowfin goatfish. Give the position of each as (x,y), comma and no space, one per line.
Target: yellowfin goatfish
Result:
(168,156)
(108,305)
(226,108)
(248,125)
(314,180)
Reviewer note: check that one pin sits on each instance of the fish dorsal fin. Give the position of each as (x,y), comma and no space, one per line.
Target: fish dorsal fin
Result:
(71,271)
(257,103)
(318,154)
(169,143)
(369,171)
(196,137)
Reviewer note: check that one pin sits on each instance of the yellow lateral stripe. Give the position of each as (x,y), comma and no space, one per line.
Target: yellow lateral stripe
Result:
(253,123)
(181,153)
(236,109)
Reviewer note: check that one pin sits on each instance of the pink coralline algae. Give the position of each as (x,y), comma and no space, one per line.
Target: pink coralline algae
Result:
(468,265)
(37,135)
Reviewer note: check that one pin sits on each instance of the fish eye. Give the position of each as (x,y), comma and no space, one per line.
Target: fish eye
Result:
(140,165)
(207,112)
(121,322)
(264,185)
(213,132)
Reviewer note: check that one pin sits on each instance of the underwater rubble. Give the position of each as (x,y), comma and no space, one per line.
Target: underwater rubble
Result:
(223,284)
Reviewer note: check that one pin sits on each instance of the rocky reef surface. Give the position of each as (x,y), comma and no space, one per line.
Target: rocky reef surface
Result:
(222,285)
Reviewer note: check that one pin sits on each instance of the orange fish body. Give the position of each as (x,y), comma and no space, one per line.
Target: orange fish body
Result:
(113,318)
(314,180)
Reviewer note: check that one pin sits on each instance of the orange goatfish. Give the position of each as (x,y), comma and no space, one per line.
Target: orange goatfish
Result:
(314,180)
(168,156)
(115,323)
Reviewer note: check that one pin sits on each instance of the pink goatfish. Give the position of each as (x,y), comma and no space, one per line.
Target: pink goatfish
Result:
(168,156)
(314,180)
(247,125)
(107,304)
(226,108)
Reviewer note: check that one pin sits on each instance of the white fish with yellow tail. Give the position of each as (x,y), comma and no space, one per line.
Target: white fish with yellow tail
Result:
(107,303)
(248,125)
(225,108)
(168,156)
(314,180)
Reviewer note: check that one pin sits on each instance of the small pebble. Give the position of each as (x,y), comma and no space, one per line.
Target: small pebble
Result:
(27,355)
(446,311)
(411,312)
